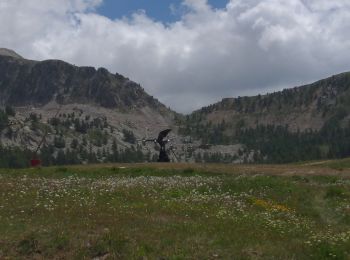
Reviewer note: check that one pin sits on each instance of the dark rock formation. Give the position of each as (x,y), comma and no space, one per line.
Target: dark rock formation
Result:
(25,82)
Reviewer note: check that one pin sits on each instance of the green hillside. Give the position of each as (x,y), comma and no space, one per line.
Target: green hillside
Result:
(302,123)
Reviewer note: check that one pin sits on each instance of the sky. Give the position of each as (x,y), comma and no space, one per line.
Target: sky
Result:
(166,11)
(187,53)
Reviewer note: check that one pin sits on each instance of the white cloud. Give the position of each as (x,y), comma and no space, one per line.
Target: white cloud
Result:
(248,47)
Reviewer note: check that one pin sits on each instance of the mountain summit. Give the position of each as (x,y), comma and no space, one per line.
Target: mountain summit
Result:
(72,114)
(69,114)
(11,53)
(26,82)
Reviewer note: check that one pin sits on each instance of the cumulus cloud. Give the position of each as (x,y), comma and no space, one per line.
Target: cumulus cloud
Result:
(246,48)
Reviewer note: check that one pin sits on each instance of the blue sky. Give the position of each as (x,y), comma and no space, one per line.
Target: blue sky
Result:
(159,10)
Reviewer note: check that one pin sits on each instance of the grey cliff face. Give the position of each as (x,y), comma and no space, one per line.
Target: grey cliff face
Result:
(24,82)
(10,53)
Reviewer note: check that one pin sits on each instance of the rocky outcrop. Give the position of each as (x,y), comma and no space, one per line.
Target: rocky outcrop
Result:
(10,53)
(24,82)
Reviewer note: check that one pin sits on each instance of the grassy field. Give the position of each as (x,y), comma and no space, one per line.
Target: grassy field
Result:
(176,211)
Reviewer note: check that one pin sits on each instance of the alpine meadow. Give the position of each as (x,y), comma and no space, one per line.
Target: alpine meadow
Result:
(174,129)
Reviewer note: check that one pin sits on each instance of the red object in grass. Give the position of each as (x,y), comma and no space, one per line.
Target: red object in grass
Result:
(35,162)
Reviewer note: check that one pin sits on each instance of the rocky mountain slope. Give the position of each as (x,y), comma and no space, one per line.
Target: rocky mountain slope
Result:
(300,108)
(10,53)
(301,123)
(68,114)
(25,82)
(77,110)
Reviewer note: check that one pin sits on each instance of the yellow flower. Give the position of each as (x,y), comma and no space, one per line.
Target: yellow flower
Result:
(268,205)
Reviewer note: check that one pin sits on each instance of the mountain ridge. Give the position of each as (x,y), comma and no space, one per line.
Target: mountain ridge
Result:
(86,70)
(26,82)
(316,100)
(10,53)
(92,115)
(72,114)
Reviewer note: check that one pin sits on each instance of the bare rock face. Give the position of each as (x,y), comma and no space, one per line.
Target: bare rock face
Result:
(94,111)
(10,53)
(82,110)
(24,82)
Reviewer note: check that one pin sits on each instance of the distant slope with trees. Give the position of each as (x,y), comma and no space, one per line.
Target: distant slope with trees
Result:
(301,123)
